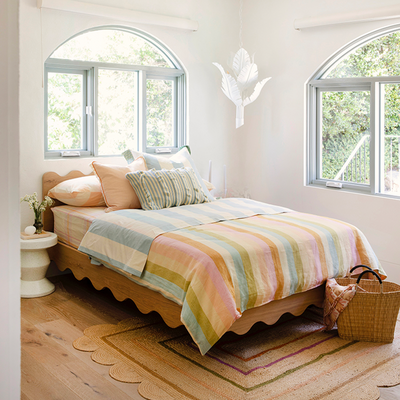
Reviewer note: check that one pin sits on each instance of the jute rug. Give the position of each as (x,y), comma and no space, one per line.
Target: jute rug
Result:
(293,359)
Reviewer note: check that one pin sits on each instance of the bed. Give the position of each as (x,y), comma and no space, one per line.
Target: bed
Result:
(67,256)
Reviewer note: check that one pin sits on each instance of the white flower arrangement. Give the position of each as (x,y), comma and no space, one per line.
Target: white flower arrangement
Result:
(34,204)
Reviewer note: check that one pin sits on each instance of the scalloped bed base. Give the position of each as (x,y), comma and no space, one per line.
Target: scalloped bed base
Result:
(66,257)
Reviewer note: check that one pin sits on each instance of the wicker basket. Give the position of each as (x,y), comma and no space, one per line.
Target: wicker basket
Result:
(372,314)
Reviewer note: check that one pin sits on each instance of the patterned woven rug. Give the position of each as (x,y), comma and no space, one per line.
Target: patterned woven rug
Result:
(293,359)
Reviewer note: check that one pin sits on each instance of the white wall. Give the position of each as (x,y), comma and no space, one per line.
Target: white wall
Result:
(9,201)
(266,155)
(211,116)
(275,123)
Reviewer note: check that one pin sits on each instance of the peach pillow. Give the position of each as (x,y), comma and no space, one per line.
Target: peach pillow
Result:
(117,191)
(81,192)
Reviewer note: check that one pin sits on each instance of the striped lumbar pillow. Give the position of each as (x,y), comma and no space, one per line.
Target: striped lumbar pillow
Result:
(179,160)
(157,189)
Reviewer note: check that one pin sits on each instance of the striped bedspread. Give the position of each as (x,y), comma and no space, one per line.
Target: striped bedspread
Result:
(123,238)
(220,267)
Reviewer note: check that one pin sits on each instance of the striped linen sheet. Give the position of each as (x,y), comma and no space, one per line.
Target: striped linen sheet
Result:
(123,238)
(216,271)
(71,223)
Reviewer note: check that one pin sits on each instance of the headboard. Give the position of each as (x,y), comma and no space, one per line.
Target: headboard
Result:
(49,180)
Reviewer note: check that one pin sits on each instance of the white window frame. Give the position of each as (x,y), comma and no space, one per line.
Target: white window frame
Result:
(372,84)
(90,71)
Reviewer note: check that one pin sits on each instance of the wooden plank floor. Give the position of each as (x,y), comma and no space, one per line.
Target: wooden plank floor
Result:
(52,369)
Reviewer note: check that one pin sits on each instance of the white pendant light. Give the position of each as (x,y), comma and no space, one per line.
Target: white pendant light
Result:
(242,79)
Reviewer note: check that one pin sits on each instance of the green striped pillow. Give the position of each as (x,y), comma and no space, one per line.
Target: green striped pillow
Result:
(157,189)
(179,160)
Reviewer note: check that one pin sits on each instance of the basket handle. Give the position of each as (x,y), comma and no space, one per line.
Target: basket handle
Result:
(359,266)
(370,272)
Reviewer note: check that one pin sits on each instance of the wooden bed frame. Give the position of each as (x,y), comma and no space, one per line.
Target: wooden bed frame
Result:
(67,257)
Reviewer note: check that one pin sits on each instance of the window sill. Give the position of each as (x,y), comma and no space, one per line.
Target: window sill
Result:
(152,150)
(365,191)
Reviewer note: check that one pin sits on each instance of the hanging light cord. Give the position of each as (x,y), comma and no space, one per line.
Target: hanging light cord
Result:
(240,24)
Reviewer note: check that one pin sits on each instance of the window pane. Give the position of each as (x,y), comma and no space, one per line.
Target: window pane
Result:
(345,134)
(112,46)
(160,113)
(117,123)
(65,105)
(381,57)
(391,140)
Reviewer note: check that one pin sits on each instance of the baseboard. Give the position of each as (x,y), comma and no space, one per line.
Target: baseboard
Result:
(392,271)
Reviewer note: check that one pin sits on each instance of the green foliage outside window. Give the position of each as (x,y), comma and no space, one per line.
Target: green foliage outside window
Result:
(64,111)
(116,122)
(159,113)
(112,46)
(117,94)
(380,57)
(346,117)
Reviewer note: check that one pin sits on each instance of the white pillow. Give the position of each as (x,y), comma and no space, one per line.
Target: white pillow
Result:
(80,192)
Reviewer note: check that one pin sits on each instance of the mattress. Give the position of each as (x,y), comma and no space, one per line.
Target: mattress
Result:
(71,223)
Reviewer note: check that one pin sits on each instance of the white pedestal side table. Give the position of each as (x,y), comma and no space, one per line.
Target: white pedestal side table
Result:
(34,264)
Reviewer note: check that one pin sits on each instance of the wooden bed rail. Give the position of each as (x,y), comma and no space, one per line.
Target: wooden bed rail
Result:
(67,257)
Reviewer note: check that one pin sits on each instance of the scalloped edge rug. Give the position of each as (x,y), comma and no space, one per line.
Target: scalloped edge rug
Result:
(293,359)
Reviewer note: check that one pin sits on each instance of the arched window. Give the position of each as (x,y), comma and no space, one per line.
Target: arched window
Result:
(110,89)
(354,117)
